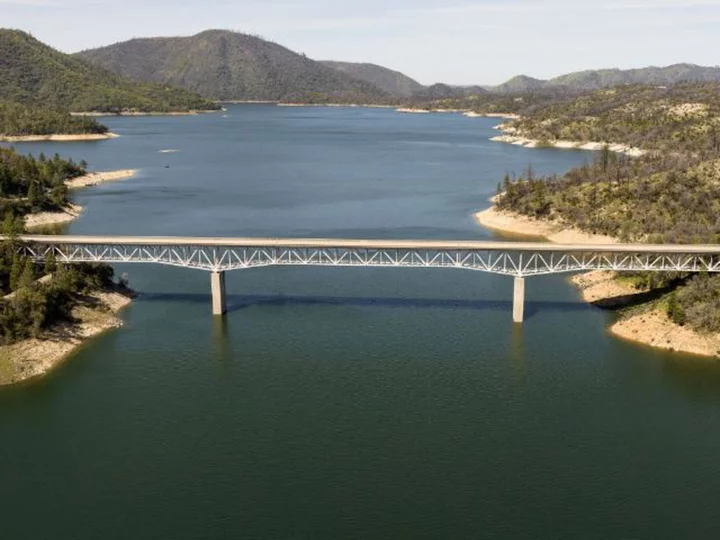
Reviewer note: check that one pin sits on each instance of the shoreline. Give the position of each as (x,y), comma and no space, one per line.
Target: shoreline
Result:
(650,328)
(36,357)
(509,116)
(247,102)
(410,110)
(75,137)
(43,219)
(95,178)
(98,114)
(569,145)
(511,135)
(465,112)
(338,105)
(510,223)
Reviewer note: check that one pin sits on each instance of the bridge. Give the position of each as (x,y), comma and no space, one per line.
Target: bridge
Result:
(516,259)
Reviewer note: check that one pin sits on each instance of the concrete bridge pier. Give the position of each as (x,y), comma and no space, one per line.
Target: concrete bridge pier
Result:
(217,284)
(519,300)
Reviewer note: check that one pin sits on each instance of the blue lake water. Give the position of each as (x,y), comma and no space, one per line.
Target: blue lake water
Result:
(347,403)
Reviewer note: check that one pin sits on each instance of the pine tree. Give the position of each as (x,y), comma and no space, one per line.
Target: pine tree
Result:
(16,271)
(34,195)
(605,157)
(28,276)
(50,263)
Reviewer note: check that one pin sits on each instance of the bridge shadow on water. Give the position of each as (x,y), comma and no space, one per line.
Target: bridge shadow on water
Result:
(239,302)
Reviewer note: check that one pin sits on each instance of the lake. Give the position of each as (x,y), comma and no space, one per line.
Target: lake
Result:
(347,402)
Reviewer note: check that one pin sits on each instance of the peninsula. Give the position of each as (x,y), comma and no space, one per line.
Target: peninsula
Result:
(47,309)
(667,194)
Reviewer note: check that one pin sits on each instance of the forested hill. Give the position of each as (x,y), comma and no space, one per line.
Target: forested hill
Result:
(21,120)
(604,78)
(392,82)
(32,73)
(227,65)
(520,85)
(679,118)
(669,195)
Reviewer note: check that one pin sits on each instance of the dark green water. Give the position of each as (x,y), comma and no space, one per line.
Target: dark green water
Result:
(347,403)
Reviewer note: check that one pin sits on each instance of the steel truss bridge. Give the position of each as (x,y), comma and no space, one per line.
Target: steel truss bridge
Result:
(516,259)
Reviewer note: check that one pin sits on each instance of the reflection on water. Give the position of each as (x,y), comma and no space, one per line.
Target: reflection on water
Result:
(221,339)
(517,353)
(697,378)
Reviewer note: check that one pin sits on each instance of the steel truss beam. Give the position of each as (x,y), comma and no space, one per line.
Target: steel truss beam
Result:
(502,258)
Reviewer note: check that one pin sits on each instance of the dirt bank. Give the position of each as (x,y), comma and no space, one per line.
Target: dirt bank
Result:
(525,142)
(58,138)
(601,288)
(508,222)
(35,357)
(95,178)
(42,219)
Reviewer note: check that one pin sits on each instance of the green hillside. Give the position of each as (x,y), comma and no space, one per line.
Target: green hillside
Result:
(34,74)
(392,82)
(17,119)
(595,79)
(670,195)
(670,75)
(684,117)
(520,85)
(228,66)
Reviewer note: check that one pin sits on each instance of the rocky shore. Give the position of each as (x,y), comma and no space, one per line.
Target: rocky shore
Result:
(511,135)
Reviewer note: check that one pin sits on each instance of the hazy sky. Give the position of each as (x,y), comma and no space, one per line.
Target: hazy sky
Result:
(453,41)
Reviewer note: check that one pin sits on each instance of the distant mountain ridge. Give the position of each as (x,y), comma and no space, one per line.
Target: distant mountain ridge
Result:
(32,73)
(225,65)
(604,78)
(388,80)
(519,85)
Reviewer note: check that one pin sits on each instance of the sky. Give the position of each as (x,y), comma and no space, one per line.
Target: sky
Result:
(450,41)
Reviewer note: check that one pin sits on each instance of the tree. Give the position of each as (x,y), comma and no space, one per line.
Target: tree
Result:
(12,224)
(50,263)
(28,275)
(605,156)
(34,196)
(16,270)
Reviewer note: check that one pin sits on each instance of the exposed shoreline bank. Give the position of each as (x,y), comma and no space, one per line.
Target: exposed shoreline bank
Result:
(95,178)
(150,113)
(569,145)
(511,135)
(337,105)
(43,219)
(36,357)
(32,358)
(75,137)
(651,328)
(465,112)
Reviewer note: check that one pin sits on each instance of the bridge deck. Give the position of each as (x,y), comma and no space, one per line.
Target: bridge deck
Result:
(517,259)
(343,243)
